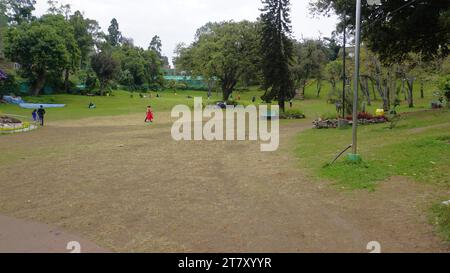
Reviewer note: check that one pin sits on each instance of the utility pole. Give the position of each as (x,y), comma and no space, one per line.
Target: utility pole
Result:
(344,75)
(354,156)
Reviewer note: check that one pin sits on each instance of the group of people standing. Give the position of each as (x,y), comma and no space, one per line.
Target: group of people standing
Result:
(38,115)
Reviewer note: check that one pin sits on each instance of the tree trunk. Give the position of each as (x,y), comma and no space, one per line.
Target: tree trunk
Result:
(319,87)
(102,88)
(404,90)
(333,87)
(410,83)
(226,94)
(38,84)
(373,90)
(304,88)
(422,90)
(282,104)
(385,96)
(365,88)
(228,85)
(66,81)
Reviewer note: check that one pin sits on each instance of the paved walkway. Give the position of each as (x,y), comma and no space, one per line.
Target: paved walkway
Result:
(18,236)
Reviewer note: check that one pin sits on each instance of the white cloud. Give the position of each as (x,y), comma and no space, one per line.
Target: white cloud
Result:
(177,20)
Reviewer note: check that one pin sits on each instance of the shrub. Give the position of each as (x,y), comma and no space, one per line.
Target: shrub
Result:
(9,85)
(292,114)
(444,86)
(329,116)
(441,218)
(91,82)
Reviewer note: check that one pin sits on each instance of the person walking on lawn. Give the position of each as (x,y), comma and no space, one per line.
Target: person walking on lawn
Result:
(149,115)
(34,115)
(41,114)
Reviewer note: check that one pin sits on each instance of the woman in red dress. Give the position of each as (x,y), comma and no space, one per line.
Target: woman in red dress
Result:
(149,117)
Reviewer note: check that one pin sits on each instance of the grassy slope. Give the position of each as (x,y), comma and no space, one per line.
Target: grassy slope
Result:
(419,147)
(122,104)
(119,104)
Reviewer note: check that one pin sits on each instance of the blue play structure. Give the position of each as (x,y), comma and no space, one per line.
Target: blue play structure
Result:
(13,100)
(19,101)
(37,106)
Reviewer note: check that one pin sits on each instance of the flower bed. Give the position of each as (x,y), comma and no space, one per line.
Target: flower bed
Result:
(9,125)
(9,120)
(363,119)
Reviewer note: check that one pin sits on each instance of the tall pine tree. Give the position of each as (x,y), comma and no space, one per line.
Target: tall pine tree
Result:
(277,51)
(114,35)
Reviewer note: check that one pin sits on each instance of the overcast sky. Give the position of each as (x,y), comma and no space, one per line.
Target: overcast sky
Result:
(177,20)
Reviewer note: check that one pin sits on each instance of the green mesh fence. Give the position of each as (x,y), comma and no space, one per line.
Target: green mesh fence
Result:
(191,83)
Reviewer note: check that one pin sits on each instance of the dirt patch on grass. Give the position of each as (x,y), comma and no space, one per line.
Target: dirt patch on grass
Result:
(129,187)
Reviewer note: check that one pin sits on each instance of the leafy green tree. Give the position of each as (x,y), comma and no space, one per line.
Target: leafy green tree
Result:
(182,58)
(222,51)
(85,32)
(20,11)
(156,44)
(277,51)
(332,47)
(105,67)
(310,60)
(153,71)
(143,66)
(114,35)
(65,30)
(126,78)
(334,74)
(396,27)
(3,27)
(444,86)
(56,8)
(44,48)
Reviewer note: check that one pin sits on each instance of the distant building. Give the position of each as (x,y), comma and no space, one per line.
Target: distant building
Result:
(192,83)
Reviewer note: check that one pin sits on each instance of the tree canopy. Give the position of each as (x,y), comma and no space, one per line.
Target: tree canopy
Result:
(114,35)
(310,59)
(397,27)
(20,11)
(43,47)
(86,33)
(138,66)
(221,50)
(105,67)
(277,51)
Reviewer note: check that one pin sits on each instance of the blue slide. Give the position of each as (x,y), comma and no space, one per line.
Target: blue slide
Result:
(37,105)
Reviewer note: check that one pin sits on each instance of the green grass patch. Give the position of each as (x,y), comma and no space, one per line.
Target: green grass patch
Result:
(440,216)
(123,103)
(417,148)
